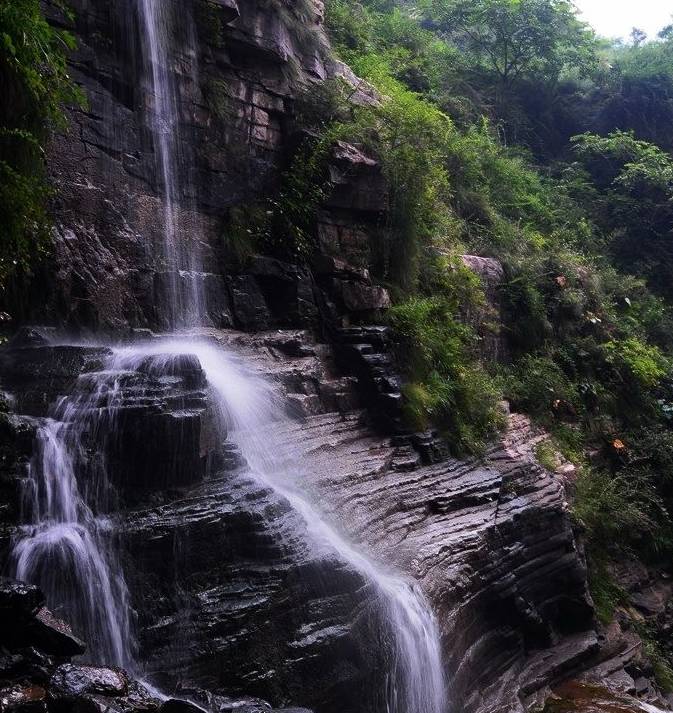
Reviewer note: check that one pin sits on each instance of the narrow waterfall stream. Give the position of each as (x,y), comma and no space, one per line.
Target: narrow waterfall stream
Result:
(182,260)
(67,542)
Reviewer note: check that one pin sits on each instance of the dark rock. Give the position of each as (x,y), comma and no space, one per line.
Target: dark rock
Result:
(31,337)
(228,8)
(357,181)
(333,266)
(38,374)
(18,598)
(54,636)
(287,291)
(250,309)
(23,699)
(179,705)
(72,681)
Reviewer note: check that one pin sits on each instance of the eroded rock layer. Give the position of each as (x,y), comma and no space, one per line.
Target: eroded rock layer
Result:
(231,595)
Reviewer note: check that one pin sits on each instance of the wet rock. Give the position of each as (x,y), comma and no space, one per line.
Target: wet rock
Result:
(54,636)
(31,337)
(18,598)
(71,681)
(23,699)
(37,374)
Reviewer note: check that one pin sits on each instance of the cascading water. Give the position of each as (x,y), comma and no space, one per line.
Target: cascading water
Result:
(251,413)
(66,542)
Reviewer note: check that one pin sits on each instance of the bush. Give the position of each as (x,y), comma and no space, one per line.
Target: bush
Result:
(34,83)
(621,513)
(447,388)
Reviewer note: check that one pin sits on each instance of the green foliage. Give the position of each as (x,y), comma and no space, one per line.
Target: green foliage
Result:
(630,183)
(607,595)
(643,362)
(545,454)
(621,513)
(510,38)
(447,388)
(34,84)
(660,658)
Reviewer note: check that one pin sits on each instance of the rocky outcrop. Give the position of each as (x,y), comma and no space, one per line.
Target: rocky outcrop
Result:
(37,675)
(230,596)
(487,320)
(239,67)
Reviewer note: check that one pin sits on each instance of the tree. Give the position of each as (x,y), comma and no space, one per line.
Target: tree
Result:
(634,202)
(511,39)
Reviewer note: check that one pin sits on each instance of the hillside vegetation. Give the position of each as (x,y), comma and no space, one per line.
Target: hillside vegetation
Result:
(508,129)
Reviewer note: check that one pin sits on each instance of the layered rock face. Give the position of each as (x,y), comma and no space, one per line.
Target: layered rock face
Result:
(238,69)
(230,593)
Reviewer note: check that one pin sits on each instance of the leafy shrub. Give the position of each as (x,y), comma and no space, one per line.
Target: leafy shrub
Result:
(538,385)
(447,387)
(621,512)
(34,82)
(645,363)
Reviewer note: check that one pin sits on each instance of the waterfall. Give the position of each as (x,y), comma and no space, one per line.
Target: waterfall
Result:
(182,256)
(65,544)
(251,412)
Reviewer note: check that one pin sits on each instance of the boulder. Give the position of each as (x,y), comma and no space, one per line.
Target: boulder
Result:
(54,636)
(71,681)
(23,699)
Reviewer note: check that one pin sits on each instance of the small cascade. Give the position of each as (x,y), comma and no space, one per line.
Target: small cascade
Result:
(251,413)
(66,542)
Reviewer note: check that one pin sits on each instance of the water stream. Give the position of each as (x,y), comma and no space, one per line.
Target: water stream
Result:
(182,258)
(251,410)
(66,544)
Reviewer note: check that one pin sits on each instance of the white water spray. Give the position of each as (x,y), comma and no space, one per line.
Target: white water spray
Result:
(66,542)
(251,411)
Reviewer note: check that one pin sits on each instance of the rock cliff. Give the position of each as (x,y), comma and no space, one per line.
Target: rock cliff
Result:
(228,593)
